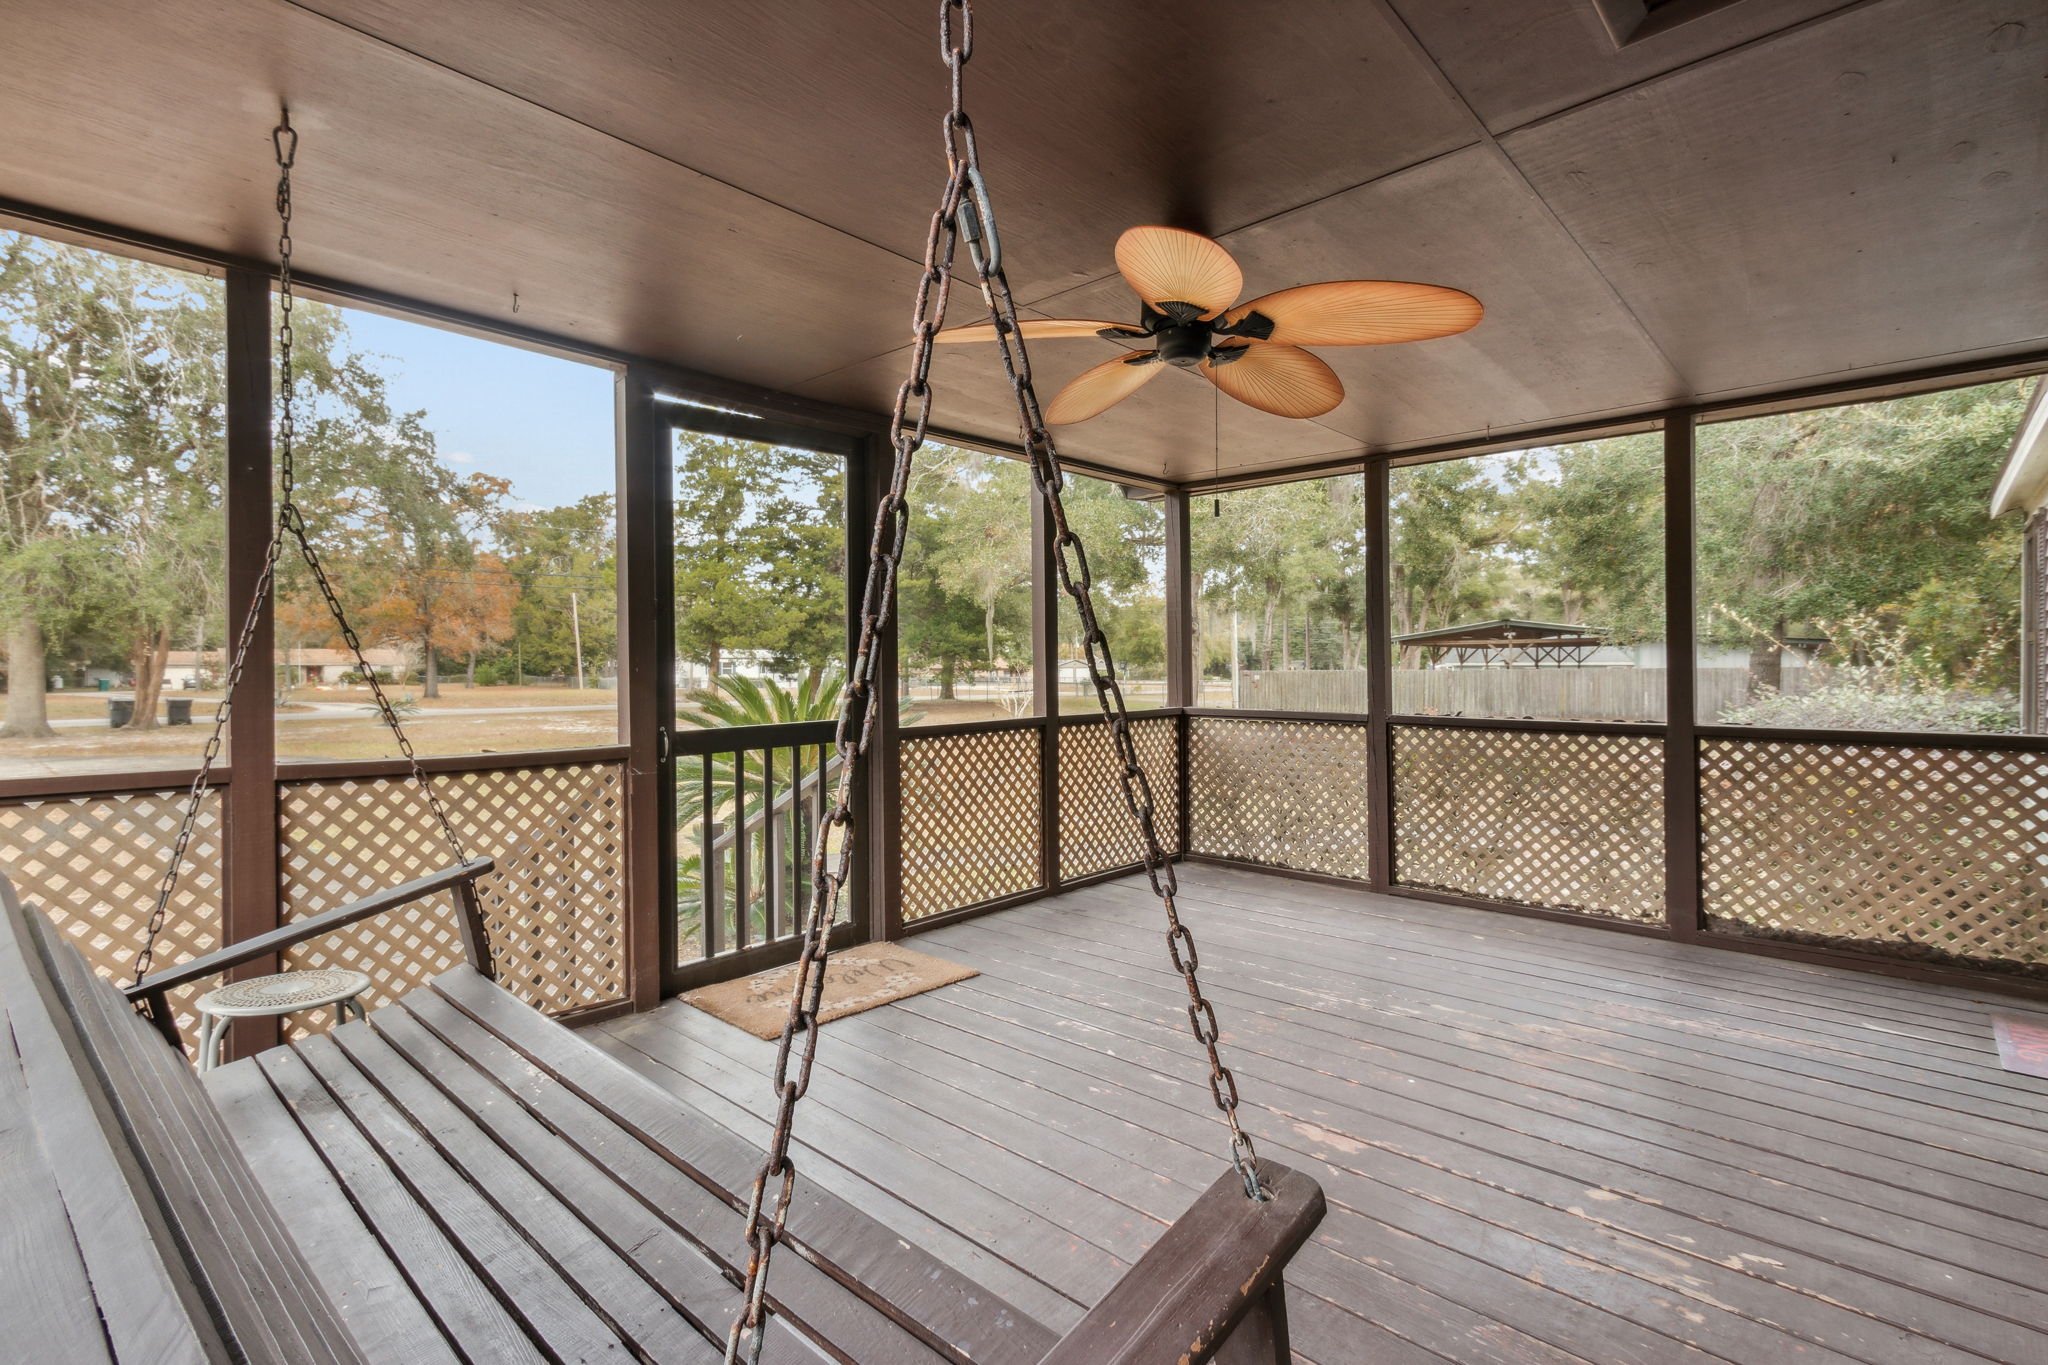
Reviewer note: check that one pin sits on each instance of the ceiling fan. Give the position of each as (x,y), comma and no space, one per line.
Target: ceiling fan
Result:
(1252,351)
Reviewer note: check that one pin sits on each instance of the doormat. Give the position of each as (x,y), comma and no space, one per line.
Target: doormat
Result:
(2022,1044)
(857,979)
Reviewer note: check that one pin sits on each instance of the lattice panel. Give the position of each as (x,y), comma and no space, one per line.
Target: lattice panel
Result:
(92,865)
(1096,829)
(1288,793)
(1934,852)
(1536,817)
(554,906)
(970,821)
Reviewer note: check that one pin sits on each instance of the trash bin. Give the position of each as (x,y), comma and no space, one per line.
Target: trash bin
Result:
(120,710)
(180,710)
(106,684)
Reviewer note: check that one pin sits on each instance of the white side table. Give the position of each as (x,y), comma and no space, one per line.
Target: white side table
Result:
(281,993)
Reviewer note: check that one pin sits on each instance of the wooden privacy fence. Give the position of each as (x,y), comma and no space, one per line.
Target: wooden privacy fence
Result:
(1593,693)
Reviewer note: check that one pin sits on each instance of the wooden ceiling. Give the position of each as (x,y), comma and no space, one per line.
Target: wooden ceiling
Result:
(1776,194)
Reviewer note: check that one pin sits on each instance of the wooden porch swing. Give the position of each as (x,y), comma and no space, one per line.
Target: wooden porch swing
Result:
(460,1178)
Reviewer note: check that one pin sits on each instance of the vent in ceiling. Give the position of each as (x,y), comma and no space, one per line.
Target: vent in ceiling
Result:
(1631,21)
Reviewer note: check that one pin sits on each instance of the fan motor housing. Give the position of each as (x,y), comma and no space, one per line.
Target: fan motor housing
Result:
(1185,345)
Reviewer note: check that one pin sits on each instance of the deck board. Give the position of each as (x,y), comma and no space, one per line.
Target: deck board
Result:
(1541,1143)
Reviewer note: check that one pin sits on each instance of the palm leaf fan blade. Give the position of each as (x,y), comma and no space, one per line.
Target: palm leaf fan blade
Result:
(1360,313)
(1283,380)
(1096,389)
(1166,265)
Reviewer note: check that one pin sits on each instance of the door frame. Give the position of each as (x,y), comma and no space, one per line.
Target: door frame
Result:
(860,494)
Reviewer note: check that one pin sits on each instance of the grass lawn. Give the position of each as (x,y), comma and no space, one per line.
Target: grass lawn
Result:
(556,720)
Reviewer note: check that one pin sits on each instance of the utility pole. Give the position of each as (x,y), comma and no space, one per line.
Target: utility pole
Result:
(1236,697)
(576,630)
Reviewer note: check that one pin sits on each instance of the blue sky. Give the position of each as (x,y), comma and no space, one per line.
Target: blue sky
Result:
(542,422)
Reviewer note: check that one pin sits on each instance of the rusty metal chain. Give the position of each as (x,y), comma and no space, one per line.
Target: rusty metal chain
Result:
(1078,582)
(964,214)
(854,732)
(290,524)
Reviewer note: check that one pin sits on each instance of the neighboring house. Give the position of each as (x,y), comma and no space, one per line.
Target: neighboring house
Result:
(2023,489)
(302,667)
(733,663)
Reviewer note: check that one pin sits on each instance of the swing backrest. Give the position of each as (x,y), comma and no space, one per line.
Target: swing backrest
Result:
(147,1234)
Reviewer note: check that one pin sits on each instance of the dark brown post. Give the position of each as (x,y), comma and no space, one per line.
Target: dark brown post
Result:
(1183,670)
(647,679)
(476,940)
(1379,678)
(1260,1337)
(878,892)
(249,905)
(1045,687)
(1182,677)
(1682,908)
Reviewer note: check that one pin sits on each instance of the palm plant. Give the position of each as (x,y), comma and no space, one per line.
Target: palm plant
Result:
(721,804)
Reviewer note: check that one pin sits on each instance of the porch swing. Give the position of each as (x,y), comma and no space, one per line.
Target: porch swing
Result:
(460,1178)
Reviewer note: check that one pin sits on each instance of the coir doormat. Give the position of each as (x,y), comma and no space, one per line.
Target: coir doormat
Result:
(2022,1044)
(855,980)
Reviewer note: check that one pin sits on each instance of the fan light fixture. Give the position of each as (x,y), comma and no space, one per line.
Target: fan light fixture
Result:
(1252,351)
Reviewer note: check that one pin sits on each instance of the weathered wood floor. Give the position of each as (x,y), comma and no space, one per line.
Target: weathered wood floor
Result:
(1540,1143)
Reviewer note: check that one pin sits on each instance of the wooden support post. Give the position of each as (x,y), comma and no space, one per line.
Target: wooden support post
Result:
(1683,912)
(1210,1289)
(647,685)
(1183,670)
(250,903)
(476,940)
(878,887)
(1379,680)
(1045,687)
(1260,1337)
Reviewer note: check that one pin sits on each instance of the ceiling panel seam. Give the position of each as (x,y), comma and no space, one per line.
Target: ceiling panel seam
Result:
(366,36)
(1724,54)
(1487,138)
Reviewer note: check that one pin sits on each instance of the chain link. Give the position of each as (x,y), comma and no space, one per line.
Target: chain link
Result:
(290,524)
(964,214)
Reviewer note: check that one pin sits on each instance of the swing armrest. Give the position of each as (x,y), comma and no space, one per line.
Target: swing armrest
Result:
(461,879)
(1220,1263)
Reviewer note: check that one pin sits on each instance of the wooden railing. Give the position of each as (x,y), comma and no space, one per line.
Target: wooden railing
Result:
(553,907)
(1918,848)
(750,804)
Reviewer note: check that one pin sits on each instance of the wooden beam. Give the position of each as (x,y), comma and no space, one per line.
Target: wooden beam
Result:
(646,701)
(1683,913)
(251,893)
(1379,679)
(878,887)
(1183,670)
(1045,685)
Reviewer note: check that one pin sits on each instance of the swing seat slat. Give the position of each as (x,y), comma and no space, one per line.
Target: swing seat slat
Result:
(460,1177)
